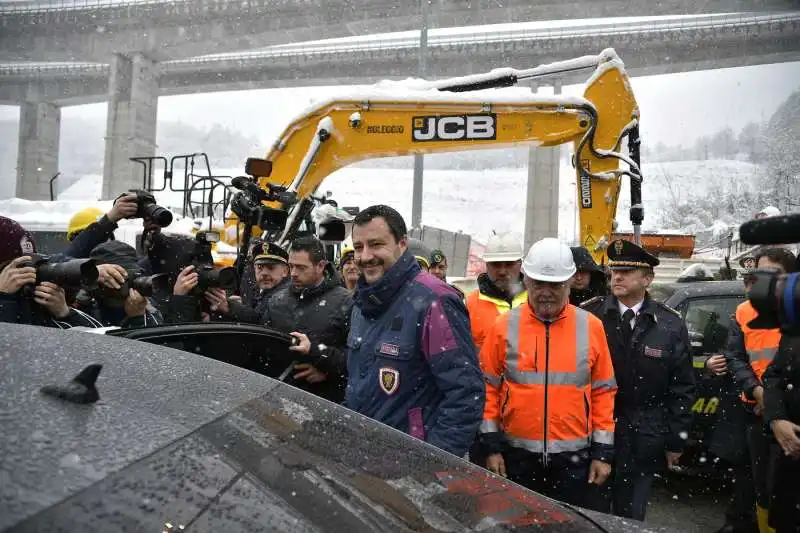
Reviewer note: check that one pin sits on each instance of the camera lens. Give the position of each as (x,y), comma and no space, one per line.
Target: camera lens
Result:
(160,215)
(227,277)
(73,273)
(777,301)
(787,291)
(143,285)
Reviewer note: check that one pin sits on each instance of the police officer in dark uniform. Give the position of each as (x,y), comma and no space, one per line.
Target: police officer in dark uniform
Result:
(650,350)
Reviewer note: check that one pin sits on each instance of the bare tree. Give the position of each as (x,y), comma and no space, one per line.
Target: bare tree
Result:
(783,154)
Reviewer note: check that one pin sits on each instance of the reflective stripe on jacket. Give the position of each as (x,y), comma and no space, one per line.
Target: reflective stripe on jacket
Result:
(761,345)
(484,310)
(550,386)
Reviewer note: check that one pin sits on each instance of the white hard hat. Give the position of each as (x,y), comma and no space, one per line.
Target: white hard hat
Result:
(770,211)
(549,260)
(502,247)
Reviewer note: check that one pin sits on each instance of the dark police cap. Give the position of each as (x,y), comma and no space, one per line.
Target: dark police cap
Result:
(271,253)
(437,257)
(625,255)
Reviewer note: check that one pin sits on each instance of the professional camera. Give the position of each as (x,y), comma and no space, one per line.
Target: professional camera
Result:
(209,275)
(148,208)
(248,208)
(776,298)
(72,274)
(144,285)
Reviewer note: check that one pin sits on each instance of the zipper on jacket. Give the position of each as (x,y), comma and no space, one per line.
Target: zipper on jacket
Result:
(546,384)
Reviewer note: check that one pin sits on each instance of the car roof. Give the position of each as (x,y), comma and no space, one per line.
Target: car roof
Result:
(183,439)
(149,396)
(702,289)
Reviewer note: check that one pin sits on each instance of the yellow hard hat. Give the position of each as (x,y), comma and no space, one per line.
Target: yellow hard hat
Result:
(81,220)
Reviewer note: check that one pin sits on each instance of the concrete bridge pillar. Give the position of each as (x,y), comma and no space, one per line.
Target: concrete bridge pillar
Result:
(541,210)
(131,121)
(37,160)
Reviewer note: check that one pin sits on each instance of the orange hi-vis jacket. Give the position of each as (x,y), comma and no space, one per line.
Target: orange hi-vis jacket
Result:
(761,345)
(484,310)
(550,386)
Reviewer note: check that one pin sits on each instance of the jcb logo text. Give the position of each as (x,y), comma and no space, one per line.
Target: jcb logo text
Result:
(456,128)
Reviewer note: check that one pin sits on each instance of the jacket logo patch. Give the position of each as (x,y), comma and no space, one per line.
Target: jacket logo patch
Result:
(389,380)
(389,349)
(652,352)
(26,245)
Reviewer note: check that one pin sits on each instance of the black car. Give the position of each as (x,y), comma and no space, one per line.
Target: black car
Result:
(708,308)
(183,442)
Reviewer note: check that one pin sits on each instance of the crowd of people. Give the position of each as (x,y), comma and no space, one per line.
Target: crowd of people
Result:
(561,374)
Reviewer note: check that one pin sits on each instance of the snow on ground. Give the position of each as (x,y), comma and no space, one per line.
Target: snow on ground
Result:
(474,202)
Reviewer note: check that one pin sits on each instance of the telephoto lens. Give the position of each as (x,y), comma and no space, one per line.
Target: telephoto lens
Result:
(777,300)
(147,285)
(72,274)
(209,276)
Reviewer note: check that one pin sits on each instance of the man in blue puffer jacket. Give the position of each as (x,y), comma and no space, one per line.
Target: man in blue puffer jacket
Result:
(411,361)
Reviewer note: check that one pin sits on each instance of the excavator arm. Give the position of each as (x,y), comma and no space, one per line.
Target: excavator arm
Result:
(396,119)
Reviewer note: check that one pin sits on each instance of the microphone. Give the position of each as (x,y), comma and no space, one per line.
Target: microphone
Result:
(771,230)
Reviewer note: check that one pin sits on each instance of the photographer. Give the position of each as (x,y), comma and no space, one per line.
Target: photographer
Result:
(190,264)
(45,304)
(117,302)
(782,414)
(315,309)
(86,230)
(748,354)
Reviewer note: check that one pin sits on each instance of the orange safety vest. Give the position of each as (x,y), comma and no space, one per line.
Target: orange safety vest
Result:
(550,389)
(484,310)
(761,344)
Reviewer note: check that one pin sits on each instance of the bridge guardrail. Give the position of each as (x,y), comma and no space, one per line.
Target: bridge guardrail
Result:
(75,5)
(294,50)
(491,37)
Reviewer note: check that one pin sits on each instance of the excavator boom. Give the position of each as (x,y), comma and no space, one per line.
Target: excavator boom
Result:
(397,119)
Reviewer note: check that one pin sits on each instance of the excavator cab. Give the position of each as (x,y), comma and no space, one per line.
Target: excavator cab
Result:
(458,114)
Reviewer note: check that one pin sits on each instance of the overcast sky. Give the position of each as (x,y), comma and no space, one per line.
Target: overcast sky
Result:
(676,108)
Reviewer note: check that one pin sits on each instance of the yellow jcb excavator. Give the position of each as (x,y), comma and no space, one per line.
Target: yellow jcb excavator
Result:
(458,114)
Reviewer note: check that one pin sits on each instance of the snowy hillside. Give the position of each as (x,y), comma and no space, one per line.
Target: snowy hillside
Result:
(704,198)
(474,202)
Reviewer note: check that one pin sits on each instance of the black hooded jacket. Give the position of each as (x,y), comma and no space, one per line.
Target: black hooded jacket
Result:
(597,281)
